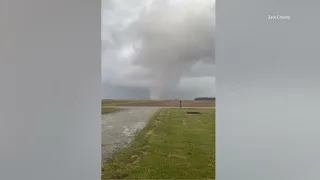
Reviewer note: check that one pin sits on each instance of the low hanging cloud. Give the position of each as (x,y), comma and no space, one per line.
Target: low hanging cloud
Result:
(163,46)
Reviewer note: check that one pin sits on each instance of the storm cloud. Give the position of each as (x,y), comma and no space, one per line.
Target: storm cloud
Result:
(161,48)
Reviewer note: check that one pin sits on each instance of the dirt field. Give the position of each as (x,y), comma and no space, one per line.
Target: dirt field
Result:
(160,103)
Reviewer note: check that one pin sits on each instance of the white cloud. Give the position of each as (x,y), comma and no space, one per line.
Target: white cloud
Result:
(148,42)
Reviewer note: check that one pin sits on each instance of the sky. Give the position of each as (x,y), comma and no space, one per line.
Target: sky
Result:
(158,49)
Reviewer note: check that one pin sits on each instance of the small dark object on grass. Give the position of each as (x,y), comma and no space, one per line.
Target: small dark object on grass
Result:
(193,112)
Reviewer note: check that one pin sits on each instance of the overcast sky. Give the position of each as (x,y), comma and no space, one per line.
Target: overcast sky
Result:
(159,49)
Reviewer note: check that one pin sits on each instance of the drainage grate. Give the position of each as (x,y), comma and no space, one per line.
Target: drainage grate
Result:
(193,112)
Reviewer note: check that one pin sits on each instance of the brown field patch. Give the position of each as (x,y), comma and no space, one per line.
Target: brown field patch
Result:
(161,103)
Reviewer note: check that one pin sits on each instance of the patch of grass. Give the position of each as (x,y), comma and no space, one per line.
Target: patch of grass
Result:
(174,145)
(114,102)
(106,102)
(110,110)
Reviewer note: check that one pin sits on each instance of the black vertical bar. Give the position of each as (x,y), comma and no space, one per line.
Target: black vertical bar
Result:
(180,104)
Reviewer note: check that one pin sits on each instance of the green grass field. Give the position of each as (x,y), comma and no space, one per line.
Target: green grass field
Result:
(109,110)
(174,145)
(122,102)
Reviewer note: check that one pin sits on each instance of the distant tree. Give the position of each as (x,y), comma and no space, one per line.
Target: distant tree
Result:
(205,98)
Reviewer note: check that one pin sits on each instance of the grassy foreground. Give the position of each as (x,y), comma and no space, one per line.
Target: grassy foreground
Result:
(174,145)
(109,110)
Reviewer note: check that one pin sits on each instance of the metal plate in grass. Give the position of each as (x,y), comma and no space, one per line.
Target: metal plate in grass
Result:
(192,112)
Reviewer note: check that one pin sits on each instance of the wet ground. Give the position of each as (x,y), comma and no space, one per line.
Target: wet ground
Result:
(118,129)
